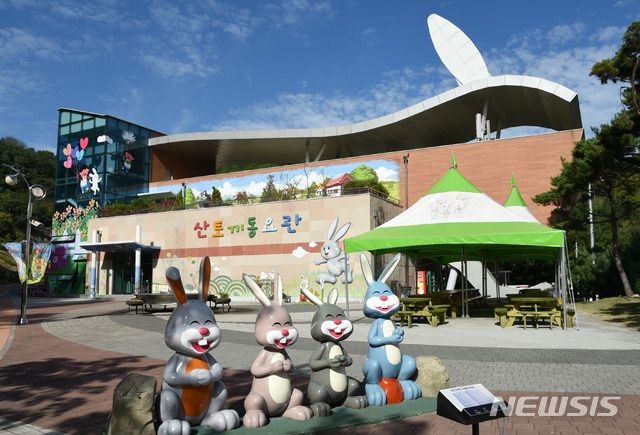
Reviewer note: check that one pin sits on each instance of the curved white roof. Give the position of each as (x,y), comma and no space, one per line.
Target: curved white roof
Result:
(448,118)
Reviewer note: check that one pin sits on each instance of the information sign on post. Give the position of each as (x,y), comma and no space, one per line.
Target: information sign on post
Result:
(471,404)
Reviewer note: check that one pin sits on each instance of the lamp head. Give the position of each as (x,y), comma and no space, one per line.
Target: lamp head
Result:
(11,180)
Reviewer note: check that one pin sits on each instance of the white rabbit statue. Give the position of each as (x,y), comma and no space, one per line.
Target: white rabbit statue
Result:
(332,255)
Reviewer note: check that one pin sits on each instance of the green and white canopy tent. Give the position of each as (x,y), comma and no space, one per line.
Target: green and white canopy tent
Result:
(455,221)
(516,204)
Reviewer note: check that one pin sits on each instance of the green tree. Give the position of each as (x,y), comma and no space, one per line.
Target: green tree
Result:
(190,198)
(216,196)
(373,185)
(609,163)
(364,173)
(270,191)
(179,202)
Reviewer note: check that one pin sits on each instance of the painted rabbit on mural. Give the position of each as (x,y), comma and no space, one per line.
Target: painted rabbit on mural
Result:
(272,394)
(329,385)
(332,255)
(387,372)
(192,391)
(94,179)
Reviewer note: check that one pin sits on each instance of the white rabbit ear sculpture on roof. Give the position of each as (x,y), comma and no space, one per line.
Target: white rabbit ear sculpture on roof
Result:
(331,254)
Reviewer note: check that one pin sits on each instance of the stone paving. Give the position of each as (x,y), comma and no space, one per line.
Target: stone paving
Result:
(93,344)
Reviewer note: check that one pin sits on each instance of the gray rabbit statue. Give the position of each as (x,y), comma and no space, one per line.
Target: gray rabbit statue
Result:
(329,385)
(272,394)
(192,391)
(331,254)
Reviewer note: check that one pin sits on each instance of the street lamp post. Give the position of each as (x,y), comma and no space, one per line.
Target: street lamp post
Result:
(38,192)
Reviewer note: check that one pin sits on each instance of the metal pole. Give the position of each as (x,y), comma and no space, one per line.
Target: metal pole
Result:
(94,264)
(41,193)
(27,265)
(138,259)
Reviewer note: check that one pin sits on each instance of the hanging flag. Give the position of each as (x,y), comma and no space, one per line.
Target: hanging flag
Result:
(39,261)
(15,249)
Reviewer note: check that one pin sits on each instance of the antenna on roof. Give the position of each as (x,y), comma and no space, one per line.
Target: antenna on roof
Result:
(454,165)
(513,180)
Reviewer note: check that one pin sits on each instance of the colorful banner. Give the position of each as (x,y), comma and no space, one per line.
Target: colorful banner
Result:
(39,261)
(15,249)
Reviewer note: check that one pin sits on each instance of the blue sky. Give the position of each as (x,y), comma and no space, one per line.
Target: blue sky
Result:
(211,65)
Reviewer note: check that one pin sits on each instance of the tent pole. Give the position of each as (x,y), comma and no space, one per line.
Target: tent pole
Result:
(497,278)
(563,276)
(484,276)
(465,284)
(346,283)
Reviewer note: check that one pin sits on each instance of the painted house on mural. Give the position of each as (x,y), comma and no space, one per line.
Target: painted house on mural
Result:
(106,166)
(336,186)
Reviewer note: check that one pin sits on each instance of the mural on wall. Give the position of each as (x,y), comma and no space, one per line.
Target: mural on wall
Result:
(220,285)
(300,183)
(74,161)
(68,261)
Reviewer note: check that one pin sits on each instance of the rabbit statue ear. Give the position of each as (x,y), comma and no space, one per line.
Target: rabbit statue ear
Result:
(277,289)
(256,290)
(333,296)
(366,269)
(205,275)
(173,278)
(342,231)
(388,270)
(332,229)
(315,300)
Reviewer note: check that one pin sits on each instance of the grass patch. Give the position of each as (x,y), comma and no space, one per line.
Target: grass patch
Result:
(622,310)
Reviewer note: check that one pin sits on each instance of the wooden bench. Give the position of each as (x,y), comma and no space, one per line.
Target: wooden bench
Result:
(134,302)
(551,315)
(500,313)
(514,314)
(404,314)
(222,302)
(435,316)
(164,299)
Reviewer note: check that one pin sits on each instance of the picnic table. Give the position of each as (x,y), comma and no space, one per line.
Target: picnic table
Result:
(420,306)
(534,307)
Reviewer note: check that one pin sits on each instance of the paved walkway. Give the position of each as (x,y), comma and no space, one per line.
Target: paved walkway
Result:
(57,374)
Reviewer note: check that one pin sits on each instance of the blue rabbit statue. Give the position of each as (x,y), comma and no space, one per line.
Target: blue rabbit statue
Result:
(386,370)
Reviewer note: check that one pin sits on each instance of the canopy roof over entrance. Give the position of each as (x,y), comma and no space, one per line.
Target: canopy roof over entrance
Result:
(124,246)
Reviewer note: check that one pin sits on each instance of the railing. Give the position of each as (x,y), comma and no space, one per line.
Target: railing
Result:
(154,207)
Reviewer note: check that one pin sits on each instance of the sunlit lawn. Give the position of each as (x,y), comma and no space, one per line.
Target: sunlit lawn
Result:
(621,310)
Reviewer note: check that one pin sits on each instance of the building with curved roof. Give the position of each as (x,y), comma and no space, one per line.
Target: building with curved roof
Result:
(406,151)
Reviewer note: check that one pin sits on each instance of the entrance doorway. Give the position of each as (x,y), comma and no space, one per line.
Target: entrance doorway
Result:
(124,272)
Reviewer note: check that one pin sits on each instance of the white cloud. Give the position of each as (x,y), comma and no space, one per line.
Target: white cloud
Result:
(386,174)
(305,110)
(227,190)
(299,252)
(255,189)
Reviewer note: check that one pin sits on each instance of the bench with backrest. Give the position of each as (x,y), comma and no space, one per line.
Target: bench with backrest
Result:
(164,299)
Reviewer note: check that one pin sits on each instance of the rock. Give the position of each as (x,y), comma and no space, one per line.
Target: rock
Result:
(432,375)
(133,406)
